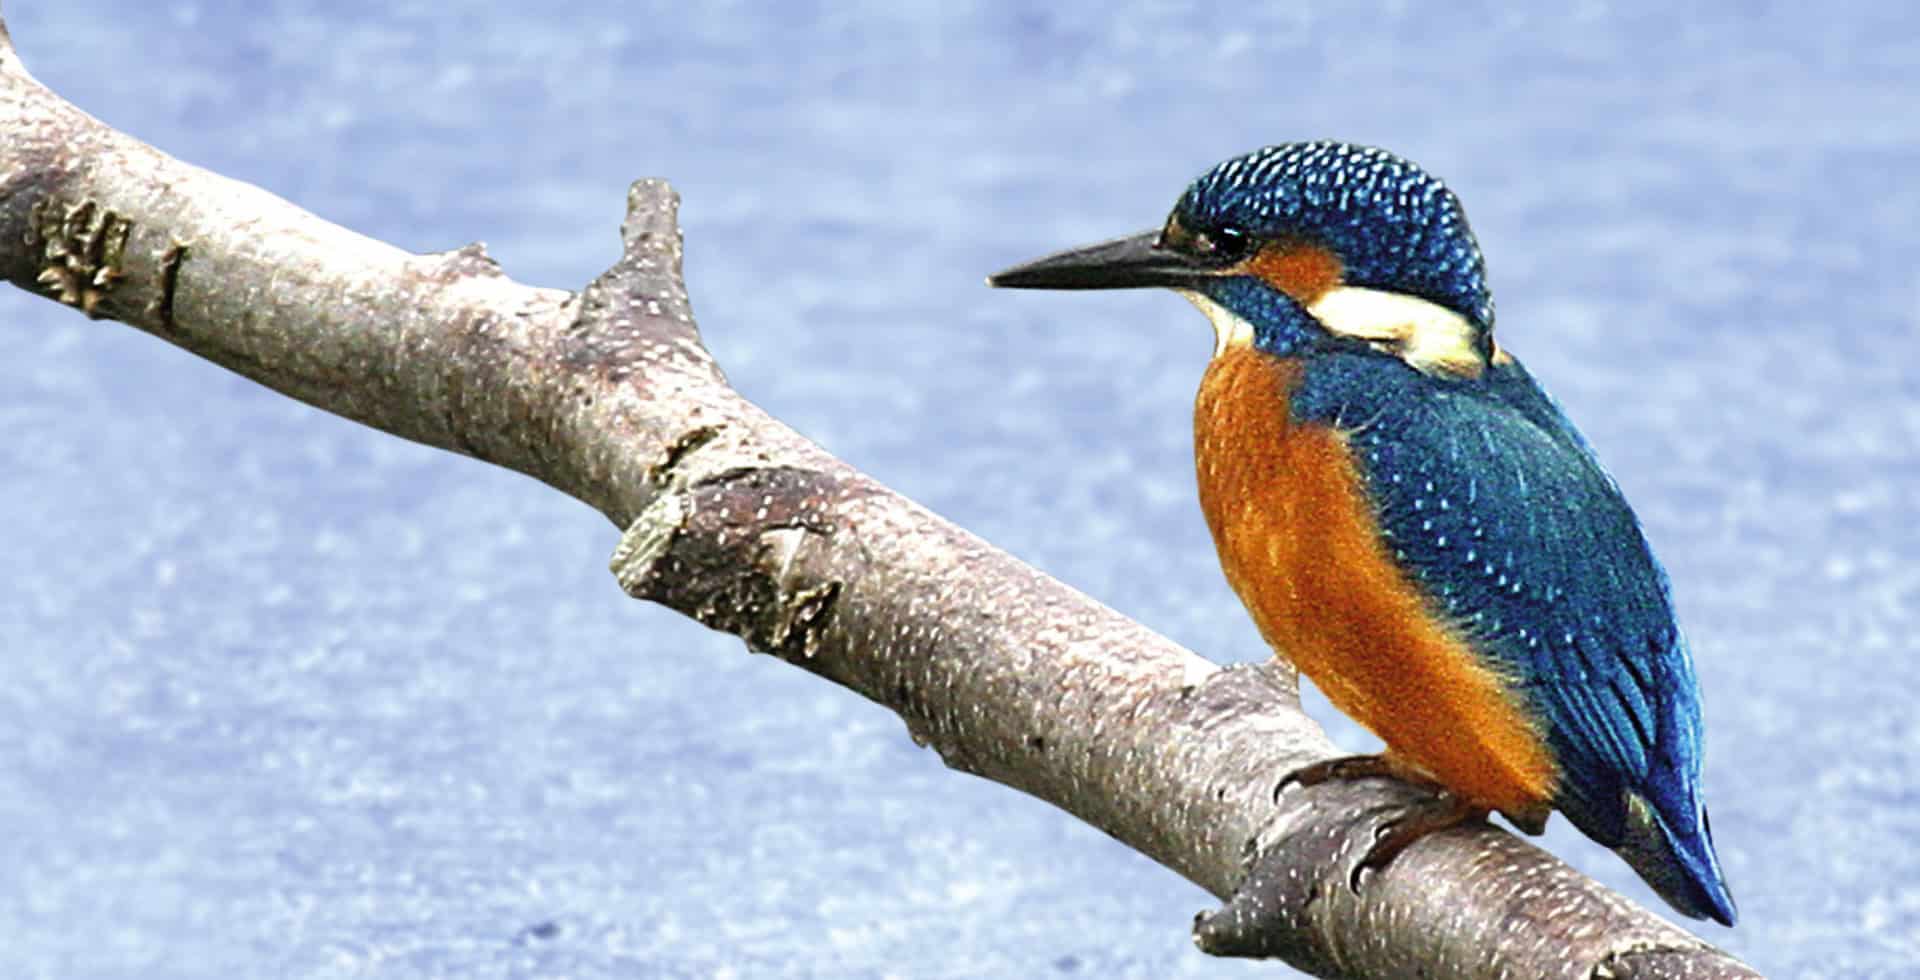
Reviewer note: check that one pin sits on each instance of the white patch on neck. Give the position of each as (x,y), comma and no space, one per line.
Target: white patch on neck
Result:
(1229,329)
(1426,335)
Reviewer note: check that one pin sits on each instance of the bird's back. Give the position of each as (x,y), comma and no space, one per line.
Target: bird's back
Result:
(1519,540)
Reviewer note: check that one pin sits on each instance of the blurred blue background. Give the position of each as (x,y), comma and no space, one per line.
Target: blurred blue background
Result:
(281,696)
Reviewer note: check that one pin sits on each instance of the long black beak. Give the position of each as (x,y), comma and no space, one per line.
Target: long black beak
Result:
(1124,263)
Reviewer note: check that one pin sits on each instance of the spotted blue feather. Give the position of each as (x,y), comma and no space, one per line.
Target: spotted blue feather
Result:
(1496,507)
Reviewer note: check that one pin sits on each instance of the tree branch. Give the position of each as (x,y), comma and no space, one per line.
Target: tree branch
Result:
(732,518)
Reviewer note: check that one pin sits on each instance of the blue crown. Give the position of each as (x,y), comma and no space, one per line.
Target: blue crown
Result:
(1394,226)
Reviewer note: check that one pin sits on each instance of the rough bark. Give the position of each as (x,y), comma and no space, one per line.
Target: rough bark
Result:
(732,518)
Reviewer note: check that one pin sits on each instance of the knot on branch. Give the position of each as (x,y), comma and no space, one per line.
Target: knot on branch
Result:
(637,312)
(734,551)
(468,261)
(81,246)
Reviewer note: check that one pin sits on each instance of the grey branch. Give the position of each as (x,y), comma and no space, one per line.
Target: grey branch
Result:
(732,518)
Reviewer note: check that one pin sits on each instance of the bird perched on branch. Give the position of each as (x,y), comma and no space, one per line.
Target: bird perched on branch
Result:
(1411,520)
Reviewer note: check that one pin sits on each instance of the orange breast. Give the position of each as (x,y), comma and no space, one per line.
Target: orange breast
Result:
(1301,545)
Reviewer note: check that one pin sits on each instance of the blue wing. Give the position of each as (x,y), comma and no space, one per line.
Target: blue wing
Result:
(1498,508)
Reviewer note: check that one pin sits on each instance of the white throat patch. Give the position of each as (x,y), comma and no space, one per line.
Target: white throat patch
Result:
(1426,335)
(1229,330)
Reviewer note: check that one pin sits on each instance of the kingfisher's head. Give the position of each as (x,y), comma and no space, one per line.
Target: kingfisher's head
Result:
(1308,247)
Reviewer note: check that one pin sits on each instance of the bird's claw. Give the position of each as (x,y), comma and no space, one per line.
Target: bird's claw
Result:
(1340,769)
(1438,812)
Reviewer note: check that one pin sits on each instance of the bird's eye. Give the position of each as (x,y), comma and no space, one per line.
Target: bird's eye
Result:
(1223,245)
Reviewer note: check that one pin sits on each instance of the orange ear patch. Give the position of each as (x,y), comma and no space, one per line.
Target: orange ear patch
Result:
(1301,270)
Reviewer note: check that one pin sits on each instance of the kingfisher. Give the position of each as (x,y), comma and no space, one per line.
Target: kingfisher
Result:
(1412,520)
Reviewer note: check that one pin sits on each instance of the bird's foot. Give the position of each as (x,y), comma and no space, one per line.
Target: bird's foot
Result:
(1348,767)
(1438,812)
